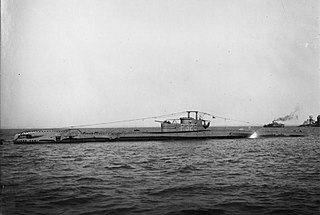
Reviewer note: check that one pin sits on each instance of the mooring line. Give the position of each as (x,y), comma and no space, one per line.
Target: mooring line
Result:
(237,120)
(122,121)
(155,117)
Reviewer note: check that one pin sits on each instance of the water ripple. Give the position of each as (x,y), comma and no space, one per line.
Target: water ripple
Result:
(248,176)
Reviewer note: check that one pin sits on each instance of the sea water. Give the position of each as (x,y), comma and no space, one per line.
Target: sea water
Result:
(240,176)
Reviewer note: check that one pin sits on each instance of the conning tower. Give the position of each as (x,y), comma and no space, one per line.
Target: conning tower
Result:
(184,124)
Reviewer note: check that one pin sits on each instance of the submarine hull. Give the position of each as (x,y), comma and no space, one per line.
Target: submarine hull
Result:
(146,136)
(56,137)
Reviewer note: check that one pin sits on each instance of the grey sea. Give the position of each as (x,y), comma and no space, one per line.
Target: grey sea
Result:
(240,176)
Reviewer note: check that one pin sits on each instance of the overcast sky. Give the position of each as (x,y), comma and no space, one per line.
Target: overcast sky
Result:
(70,62)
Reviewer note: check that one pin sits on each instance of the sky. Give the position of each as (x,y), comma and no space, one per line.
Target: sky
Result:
(74,62)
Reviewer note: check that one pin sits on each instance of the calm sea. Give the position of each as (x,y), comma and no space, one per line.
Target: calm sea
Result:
(245,176)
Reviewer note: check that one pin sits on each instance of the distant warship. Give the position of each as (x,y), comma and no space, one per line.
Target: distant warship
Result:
(274,124)
(311,122)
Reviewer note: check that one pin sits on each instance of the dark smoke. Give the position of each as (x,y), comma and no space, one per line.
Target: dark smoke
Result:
(291,116)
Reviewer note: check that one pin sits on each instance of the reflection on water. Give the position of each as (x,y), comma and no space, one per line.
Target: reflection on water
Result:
(247,176)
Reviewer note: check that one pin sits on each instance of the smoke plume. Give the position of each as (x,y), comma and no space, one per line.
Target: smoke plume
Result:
(291,116)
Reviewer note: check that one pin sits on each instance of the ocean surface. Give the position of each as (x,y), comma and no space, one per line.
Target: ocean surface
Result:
(240,176)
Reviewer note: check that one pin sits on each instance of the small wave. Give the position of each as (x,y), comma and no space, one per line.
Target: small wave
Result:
(67,169)
(182,189)
(58,177)
(282,212)
(167,158)
(12,156)
(73,201)
(187,169)
(198,211)
(89,150)
(123,166)
(90,179)
(93,187)
(119,210)
(60,190)
(68,156)
(142,162)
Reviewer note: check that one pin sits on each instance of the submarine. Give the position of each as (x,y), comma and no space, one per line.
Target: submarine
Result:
(188,127)
(191,126)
